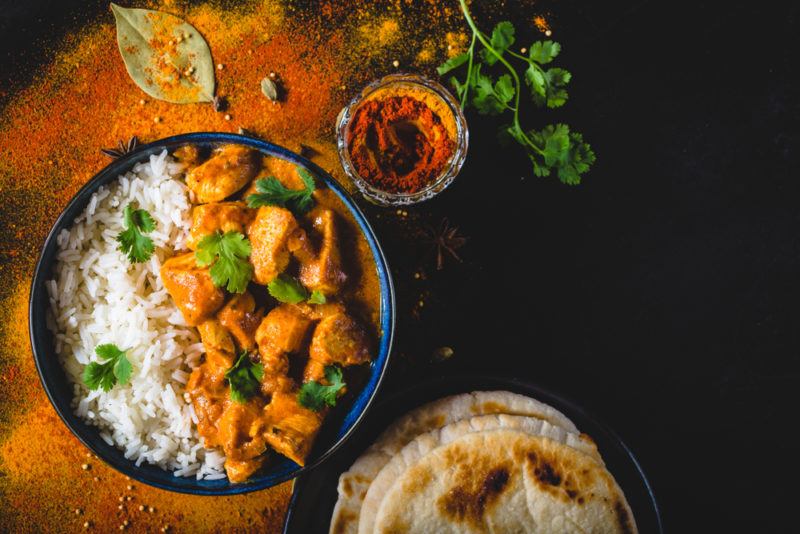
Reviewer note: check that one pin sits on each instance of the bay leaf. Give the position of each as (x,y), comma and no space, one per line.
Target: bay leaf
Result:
(164,55)
(270,89)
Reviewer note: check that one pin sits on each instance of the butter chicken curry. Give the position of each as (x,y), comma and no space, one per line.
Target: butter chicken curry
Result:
(283,289)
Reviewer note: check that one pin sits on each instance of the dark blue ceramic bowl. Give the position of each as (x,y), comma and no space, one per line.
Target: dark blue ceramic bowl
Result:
(339,425)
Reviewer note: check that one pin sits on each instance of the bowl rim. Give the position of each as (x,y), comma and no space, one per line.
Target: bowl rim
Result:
(107,175)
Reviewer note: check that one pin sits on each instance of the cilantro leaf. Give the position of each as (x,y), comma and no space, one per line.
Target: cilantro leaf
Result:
(556,143)
(548,87)
(244,378)
(551,150)
(504,89)
(452,63)
(116,369)
(543,52)
(271,192)
(535,80)
(317,297)
(227,254)
(502,39)
(132,242)
(557,80)
(578,160)
(314,395)
(460,88)
(492,98)
(286,289)
(564,151)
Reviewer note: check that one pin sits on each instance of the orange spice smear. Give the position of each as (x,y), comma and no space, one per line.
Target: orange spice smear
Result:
(51,132)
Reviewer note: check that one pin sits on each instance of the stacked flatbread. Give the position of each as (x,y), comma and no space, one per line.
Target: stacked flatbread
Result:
(486,461)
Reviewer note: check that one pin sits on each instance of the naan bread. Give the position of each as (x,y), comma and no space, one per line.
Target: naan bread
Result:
(505,481)
(353,484)
(423,444)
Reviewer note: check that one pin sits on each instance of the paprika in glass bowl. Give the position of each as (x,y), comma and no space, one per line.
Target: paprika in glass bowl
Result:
(402,140)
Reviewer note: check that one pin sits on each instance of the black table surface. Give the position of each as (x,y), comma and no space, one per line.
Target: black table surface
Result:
(662,294)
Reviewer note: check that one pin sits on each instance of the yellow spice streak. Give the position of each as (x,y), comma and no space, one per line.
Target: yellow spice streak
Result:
(50,135)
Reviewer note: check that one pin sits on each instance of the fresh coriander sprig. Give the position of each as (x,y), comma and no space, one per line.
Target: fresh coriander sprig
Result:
(227,254)
(287,289)
(115,369)
(271,192)
(317,297)
(314,395)
(132,240)
(552,149)
(244,378)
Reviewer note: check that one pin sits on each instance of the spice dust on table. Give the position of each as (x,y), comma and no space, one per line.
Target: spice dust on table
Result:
(51,133)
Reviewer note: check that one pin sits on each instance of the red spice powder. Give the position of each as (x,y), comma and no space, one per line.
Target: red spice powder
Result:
(398,143)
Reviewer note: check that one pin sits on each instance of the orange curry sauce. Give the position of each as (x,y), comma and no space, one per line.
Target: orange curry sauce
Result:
(325,251)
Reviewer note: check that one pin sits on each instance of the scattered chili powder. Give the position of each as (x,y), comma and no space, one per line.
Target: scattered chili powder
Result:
(398,143)
(51,133)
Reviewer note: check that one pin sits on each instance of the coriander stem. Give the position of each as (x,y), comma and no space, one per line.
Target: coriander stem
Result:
(482,38)
(471,53)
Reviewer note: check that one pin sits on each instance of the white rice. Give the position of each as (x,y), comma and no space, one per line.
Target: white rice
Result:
(97,296)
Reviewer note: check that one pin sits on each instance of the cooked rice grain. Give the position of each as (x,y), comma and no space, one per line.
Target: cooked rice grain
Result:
(97,296)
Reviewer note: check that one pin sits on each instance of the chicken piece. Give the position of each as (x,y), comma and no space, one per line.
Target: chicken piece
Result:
(215,335)
(229,169)
(206,385)
(276,369)
(316,312)
(283,330)
(337,339)
(191,288)
(324,272)
(282,169)
(240,432)
(209,394)
(240,470)
(241,319)
(223,216)
(290,428)
(314,371)
(187,154)
(273,235)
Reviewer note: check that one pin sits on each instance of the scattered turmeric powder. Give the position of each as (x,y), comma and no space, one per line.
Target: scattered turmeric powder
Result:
(51,133)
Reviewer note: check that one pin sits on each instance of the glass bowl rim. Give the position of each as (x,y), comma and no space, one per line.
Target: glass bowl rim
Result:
(387,198)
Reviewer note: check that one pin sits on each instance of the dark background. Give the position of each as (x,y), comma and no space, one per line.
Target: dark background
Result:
(662,293)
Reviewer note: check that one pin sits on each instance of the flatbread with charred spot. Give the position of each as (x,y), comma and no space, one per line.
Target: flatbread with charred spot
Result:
(353,483)
(425,443)
(505,481)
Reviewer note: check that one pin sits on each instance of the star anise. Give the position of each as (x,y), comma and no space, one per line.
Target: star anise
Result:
(122,149)
(443,240)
